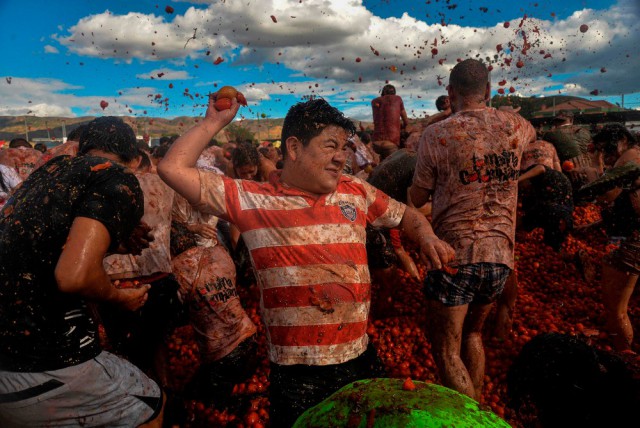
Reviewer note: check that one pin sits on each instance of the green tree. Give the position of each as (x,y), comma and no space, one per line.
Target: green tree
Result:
(239,133)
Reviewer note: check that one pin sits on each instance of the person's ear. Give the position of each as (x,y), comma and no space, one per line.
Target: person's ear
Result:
(294,145)
(135,163)
(452,96)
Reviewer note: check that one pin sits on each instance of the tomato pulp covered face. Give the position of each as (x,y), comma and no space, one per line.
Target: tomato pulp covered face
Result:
(318,165)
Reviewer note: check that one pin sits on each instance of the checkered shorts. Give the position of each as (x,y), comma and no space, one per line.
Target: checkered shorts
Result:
(474,283)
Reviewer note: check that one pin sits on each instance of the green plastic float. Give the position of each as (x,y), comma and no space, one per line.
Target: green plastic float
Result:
(382,403)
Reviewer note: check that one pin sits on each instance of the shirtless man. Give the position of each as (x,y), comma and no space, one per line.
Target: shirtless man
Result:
(389,116)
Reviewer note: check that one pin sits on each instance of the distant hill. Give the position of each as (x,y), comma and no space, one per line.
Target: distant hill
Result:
(51,127)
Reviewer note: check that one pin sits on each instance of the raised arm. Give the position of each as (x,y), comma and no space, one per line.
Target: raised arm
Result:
(178,167)
(434,253)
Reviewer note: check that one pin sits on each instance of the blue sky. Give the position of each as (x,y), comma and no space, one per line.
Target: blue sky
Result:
(62,58)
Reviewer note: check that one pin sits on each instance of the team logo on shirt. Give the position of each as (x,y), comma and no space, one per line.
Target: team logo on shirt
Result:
(348,210)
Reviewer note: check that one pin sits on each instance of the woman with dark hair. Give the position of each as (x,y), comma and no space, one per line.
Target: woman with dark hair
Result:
(245,162)
(621,267)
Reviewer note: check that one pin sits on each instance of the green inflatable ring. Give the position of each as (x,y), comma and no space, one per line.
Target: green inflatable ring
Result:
(382,403)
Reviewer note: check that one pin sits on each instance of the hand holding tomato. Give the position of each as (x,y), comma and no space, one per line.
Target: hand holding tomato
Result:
(133,299)
(225,95)
(227,98)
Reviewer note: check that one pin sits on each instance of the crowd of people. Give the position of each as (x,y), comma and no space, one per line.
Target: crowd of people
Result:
(104,230)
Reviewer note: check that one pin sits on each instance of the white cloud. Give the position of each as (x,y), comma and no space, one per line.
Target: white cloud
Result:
(319,42)
(314,39)
(56,98)
(165,74)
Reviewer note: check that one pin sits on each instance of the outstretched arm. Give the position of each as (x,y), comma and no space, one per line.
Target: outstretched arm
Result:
(435,253)
(178,167)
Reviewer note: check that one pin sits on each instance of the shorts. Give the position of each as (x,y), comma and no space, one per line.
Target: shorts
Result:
(480,283)
(627,257)
(103,391)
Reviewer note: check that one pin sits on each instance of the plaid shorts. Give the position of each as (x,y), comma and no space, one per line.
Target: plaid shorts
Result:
(474,283)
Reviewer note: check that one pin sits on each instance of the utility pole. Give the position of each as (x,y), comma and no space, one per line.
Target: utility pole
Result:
(622,103)
(490,97)
(26,129)
(64,132)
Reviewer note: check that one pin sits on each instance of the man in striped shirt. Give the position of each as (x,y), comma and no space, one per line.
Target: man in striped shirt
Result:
(305,230)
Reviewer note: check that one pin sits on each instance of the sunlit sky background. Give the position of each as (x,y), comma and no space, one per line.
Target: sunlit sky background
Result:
(158,59)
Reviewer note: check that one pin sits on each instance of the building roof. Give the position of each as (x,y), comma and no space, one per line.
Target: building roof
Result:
(578,106)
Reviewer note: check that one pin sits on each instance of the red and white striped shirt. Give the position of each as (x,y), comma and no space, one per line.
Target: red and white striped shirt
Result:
(310,258)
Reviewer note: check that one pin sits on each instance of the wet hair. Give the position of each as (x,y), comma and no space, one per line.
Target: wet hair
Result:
(142,146)
(263,150)
(160,151)
(167,140)
(76,134)
(607,139)
(308,119)
(41,147)
(440,101)
(365,137)
(469,77)
(388,90)
(145,161)
(559,380)
(109,134)
(19,142)
(245,154)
